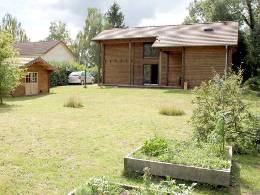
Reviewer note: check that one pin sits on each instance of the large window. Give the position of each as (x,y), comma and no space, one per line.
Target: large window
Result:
(149,51)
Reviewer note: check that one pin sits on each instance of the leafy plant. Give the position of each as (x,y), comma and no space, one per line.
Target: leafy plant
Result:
(189,152)
(10,73)
(171,111)
(223,96)
(253,83)
(101,186)
(73,102)
(155,146)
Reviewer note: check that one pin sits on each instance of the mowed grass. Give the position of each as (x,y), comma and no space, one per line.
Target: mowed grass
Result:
(46,148)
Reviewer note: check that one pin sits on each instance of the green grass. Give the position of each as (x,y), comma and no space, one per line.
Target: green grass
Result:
(171,111)
(46,148)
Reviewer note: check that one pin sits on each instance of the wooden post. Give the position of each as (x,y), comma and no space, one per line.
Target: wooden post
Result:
(99,67)
(167,68)
(183,66)
(103,62)
(160,68)
(226,61)
(130,62)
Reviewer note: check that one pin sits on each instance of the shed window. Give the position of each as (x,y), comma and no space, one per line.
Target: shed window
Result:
(149,51)
(31,77)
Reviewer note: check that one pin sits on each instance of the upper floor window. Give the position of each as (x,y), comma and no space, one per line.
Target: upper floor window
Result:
(149,51)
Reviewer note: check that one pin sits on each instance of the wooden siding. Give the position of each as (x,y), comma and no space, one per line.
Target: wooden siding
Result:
(202,62)
(43,80)
(117,67)
(116,64)
(174,68)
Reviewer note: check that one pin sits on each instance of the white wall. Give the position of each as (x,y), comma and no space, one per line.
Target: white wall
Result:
(59,54)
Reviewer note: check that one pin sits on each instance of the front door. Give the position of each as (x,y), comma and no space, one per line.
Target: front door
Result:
(31,83)
(151,74)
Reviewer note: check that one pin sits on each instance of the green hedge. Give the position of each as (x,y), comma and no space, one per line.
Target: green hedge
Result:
(254,83)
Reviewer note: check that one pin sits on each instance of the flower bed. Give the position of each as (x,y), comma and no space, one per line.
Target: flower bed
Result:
(182,160)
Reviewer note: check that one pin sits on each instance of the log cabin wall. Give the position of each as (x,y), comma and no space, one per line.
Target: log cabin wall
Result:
(202,62)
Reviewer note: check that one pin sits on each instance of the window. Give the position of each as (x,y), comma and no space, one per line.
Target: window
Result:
(31,77)
(149,51)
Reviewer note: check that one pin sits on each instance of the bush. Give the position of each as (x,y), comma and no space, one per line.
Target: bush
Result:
(73,102)
(100,185)
(62,70)
(171,111)
(155,146)
(222,98)
(253,83)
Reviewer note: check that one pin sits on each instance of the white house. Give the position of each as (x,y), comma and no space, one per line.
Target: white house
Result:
(48,50)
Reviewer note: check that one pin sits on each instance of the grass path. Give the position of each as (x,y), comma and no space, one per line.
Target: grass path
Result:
(46,148)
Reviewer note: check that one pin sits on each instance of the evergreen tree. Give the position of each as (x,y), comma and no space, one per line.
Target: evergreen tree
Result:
(115,16)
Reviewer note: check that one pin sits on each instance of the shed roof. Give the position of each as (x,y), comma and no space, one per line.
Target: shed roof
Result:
(201,34)
(35,48)
(28,61)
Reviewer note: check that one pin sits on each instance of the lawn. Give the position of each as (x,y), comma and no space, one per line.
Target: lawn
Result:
(46,148)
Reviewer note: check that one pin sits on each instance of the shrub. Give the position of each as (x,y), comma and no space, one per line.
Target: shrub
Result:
(189,152)
(171,111)
(222,97)
(73,102)
(62,70)
(155,146)
(100,185)
(253,83)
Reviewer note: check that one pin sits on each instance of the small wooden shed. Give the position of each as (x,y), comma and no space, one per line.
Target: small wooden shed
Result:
(36,80)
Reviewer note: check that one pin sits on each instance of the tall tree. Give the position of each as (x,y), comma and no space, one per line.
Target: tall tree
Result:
(10,73)
(58,31)
(247,12)
(115,16)
(85,50)
(12,26)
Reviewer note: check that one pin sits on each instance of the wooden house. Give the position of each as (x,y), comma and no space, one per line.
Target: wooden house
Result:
(173,55)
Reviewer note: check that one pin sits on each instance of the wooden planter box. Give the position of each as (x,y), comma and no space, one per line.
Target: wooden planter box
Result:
(179,171)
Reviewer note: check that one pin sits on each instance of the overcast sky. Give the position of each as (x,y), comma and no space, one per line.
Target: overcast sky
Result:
(36,15)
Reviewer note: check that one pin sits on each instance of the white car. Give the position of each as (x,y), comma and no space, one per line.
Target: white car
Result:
(79,78)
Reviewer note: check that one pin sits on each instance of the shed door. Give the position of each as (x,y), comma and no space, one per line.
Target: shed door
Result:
(31,83)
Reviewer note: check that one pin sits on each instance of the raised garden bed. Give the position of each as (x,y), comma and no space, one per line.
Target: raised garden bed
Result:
(214,176)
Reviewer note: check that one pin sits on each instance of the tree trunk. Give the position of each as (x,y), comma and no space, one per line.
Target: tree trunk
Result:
(1,100)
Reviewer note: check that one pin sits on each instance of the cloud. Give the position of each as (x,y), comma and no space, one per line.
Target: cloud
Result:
(36,15)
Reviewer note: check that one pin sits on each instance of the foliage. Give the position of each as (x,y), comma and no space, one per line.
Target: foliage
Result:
(253,83)
(10,73)
(12,26)
(171,111)
(73,102)
(222,96)
(247,12)
(86,51)
(62,69)
(188,152)
(93,71)
(58,31)
(114,16)
(155,146)
(100,185)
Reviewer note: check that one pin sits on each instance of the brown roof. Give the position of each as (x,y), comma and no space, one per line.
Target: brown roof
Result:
(204,34)
(35,48)
(28,61)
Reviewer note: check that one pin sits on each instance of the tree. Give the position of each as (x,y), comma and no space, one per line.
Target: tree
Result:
(10,73)
(58,31)
(114,16)
(85,50)
(12,26)
(247,12)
